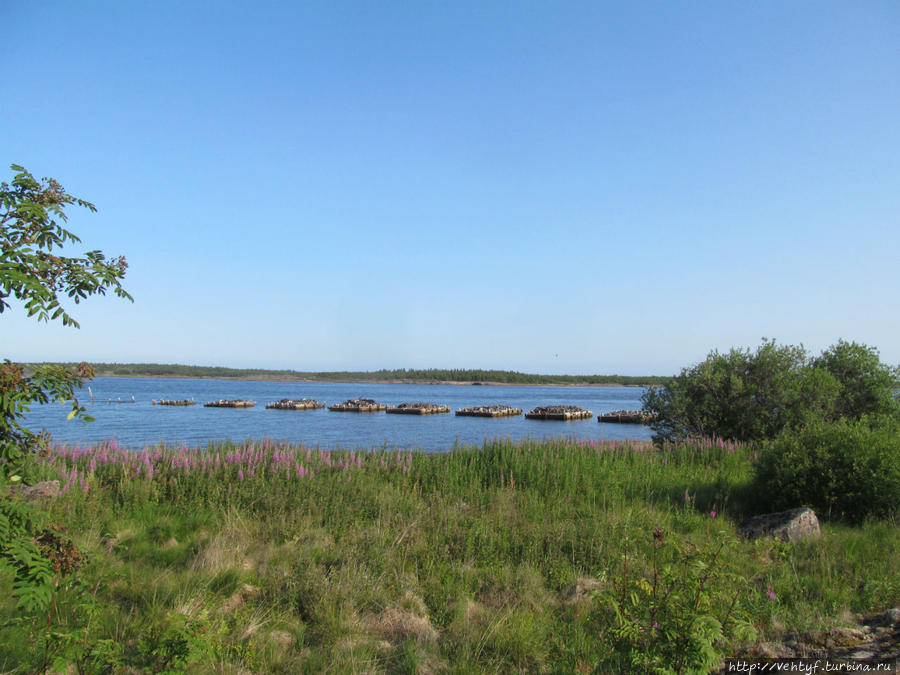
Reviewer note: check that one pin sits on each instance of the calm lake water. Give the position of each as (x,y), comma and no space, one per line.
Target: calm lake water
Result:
(141,423)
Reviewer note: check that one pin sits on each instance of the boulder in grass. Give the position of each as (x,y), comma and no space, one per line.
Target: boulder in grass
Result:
(47,488)
(793,525)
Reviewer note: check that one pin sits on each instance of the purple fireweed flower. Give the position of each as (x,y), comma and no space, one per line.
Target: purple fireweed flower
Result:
(712,514)
(771,593)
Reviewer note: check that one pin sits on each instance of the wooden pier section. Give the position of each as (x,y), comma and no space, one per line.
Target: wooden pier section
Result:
(295,404)
(362,405)
(627,417)
(489,411)
(418,409)
(559,412)
(237,403)
(186,401)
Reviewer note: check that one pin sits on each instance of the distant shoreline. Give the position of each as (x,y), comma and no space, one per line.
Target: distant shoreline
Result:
(432,376)
(251,378)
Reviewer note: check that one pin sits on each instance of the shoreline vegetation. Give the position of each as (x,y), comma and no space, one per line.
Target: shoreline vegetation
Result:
(450,376)
(552,556)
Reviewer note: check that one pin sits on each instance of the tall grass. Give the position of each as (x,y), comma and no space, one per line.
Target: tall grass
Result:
(271,557)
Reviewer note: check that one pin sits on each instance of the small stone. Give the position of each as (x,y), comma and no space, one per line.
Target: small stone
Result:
(862,654)
(766,650)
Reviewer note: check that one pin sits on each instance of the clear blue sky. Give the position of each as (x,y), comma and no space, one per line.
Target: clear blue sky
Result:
(546,187)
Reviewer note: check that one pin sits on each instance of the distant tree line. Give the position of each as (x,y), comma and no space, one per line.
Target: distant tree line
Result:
(405,374)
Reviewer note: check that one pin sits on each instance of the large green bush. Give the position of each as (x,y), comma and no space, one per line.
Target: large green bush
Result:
(847,469)
(747,396)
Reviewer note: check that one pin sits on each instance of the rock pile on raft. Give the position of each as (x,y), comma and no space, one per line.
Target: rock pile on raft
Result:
(559,412)
(627,417)
(223,403)
(418,409)
(358,405)
(295,404)
(489,411)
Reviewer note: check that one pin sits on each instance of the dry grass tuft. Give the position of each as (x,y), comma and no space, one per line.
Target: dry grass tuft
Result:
(228,549)
(409,621)
(238,598)
(580,591)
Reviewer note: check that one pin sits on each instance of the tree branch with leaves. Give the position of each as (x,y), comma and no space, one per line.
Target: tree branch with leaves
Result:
(30,215)
(33,272)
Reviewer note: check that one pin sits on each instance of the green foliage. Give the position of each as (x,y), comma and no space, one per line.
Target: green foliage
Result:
(747,396)
(678,616)
(18,392)
(30,216)
(848,469)
(463,561)
(178,641)
(33,583)
(867,386)
(32,273)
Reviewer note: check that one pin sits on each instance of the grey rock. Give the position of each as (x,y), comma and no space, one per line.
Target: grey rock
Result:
(793,525)
(47,488)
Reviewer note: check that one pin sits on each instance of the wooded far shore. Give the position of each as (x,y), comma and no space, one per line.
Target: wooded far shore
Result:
(397,375)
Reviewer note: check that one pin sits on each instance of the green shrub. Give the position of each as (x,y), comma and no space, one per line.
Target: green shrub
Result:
(742,395)
(681,615)
(845,469)
(750,396)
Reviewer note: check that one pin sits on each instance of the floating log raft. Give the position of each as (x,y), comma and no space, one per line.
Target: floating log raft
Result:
(559,412)
(295,404)
(489,411)
(418,409)
(627,417)
(163,401)
(358,405)
(237,403)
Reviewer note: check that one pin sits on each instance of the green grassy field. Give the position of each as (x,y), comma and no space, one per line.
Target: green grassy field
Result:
(558,556)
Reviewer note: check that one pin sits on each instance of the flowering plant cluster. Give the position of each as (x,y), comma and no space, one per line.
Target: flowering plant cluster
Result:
(172,471)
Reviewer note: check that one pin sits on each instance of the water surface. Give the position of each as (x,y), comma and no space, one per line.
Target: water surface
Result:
(141,423)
